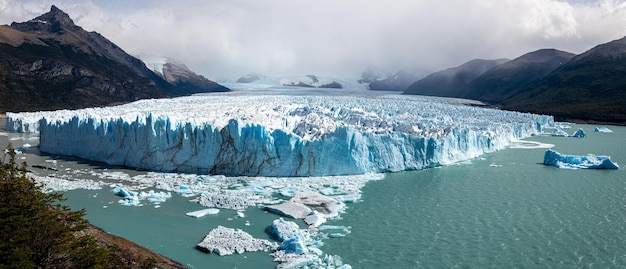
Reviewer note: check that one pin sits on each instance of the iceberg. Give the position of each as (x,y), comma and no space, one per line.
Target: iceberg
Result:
(228,241)
(590,161)
(580,133)
(313,207)
(602,130)
(203,212)
(278,135)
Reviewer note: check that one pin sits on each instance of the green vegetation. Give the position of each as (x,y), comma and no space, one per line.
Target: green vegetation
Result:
(36,231)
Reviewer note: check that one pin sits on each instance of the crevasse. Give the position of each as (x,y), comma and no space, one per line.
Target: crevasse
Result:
(279,135)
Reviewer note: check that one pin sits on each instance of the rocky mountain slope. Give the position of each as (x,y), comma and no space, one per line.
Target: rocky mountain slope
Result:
(591,86)
(507,79)
(179,75)
(452,81)
(50,63)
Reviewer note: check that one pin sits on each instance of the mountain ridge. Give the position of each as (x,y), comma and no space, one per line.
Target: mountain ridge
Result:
(450,82)
(49,63)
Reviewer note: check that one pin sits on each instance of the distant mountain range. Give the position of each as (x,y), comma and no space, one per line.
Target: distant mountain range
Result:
(589,87)
(381,81)
(180,76)
(50,63)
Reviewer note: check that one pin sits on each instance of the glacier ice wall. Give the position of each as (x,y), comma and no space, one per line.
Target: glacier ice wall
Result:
(278,135)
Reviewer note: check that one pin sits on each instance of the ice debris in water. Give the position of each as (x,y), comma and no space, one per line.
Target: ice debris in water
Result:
(211,191)
(278,135)
(602,130)
(134,198)
(591,161)
(228,241)
(299,248)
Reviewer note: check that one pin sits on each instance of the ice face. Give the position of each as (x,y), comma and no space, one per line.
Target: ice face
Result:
(279,135)
(591,161)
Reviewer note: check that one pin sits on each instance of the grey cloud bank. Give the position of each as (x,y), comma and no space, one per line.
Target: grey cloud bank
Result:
(336,38)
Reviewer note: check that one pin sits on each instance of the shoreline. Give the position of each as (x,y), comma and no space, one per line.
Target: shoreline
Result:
(138,255)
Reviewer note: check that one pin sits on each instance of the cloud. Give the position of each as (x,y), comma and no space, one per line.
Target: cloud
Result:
(337,38)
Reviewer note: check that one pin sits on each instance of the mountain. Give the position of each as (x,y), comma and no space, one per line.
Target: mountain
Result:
(181,77)
(591,86)
(378,81)
(249,78)
(50,63)
(452,81)
(508,79)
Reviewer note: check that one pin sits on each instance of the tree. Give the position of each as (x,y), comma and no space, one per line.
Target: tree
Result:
(36,231)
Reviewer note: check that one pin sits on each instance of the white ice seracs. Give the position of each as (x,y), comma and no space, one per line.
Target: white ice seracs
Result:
(590,161)
(279,135)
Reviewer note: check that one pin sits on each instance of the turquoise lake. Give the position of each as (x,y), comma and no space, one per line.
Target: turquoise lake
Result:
(503,210)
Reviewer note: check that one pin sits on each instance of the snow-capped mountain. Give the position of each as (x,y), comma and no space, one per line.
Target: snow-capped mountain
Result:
(179,75)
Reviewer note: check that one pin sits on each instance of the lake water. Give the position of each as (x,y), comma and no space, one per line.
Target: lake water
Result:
(503,210)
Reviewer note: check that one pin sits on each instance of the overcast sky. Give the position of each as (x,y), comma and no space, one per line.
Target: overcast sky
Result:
(338,38)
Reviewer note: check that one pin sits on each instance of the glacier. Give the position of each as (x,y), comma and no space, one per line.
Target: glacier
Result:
(590,161)
(279,135)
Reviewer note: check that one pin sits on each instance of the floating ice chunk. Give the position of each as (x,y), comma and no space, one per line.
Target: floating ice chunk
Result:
(602,130)
(129,200)
(314,219)
(293,245)
(559,132)
(304,203)
(290,209)
(227,241)
(241,214)
(183,189)
(580,133)
(292,260)
(203,212)
(285,229)
(155,197)
(123,192)
(554,158)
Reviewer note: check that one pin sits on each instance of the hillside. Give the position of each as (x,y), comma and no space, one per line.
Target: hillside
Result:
(591,86)
(452,81)
(506,80)
(50,63)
